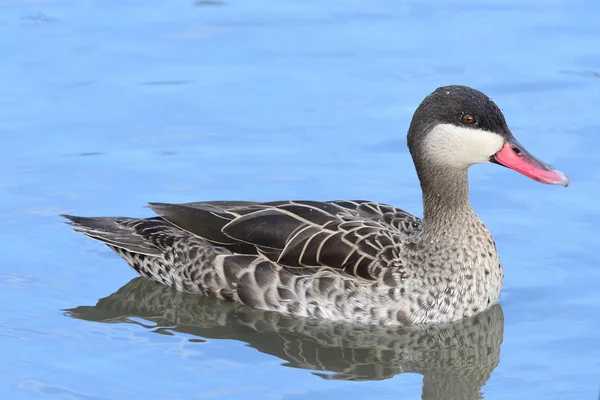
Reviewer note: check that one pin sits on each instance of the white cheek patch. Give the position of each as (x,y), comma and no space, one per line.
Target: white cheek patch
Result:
(451,145)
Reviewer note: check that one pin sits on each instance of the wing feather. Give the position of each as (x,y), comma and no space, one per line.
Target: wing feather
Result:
(350,236)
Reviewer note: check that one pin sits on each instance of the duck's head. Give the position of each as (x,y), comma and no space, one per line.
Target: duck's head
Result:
(456,127)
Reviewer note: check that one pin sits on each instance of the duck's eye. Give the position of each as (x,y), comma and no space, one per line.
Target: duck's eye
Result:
(468,119)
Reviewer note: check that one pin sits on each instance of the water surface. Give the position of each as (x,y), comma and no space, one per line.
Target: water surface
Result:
(107,105)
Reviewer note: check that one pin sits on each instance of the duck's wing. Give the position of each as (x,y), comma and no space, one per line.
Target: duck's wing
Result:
(349,236)
(403,221)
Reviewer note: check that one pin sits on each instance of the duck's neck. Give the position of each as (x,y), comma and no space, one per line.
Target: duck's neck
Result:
(445,199)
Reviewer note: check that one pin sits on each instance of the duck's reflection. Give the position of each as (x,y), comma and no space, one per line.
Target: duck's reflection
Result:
(455,359)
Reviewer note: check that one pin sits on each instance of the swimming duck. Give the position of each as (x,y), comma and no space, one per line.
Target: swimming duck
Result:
(358,261)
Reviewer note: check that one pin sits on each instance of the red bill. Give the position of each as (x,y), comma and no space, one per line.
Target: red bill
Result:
(514,156)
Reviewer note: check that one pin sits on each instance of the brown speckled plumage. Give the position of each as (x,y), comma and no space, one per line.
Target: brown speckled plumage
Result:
(340,260)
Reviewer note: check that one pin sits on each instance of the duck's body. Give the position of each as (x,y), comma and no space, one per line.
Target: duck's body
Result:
(345,260)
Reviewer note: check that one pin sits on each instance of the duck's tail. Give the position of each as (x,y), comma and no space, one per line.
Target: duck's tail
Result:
(168,255)
(130,234)
(153,247)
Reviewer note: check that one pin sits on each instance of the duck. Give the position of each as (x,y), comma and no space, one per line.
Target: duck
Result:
(355,261)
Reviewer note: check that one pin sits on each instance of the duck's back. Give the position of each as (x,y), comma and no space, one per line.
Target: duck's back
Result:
(297,234)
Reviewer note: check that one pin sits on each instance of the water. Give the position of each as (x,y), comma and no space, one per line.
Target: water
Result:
(108,105)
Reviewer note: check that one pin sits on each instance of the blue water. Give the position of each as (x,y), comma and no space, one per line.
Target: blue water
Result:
(106,105)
